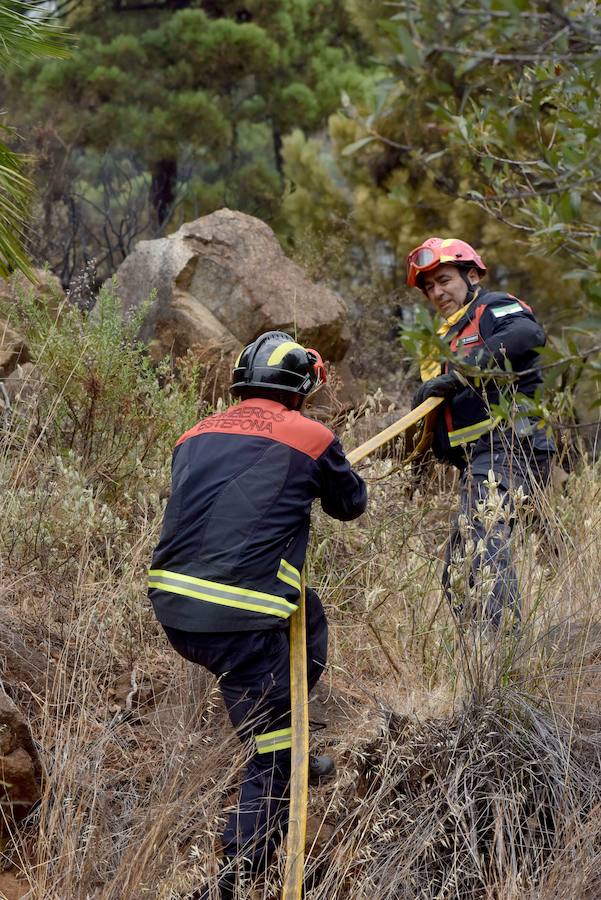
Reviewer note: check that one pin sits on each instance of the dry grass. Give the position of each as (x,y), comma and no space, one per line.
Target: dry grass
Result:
(469,765)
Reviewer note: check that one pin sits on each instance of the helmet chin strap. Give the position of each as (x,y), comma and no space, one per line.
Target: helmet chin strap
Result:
(472,289)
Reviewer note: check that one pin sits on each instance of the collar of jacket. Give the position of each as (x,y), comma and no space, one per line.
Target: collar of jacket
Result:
(455,319)
(264,403)
(430,368)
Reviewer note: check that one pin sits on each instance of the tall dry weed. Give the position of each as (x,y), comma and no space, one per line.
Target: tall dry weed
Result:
(468,761)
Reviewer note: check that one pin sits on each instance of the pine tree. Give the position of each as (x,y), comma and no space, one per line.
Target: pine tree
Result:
(182,108)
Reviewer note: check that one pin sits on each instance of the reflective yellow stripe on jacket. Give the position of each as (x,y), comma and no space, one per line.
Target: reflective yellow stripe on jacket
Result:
(471,432)
(289,574)
(223,594)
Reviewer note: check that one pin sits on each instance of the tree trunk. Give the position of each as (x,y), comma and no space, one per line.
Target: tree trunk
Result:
(162,189)
(277,150)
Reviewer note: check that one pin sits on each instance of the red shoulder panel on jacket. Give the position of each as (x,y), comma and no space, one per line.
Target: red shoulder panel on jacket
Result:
(268,419)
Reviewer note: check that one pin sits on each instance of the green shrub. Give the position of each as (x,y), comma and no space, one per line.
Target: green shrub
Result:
(100,399)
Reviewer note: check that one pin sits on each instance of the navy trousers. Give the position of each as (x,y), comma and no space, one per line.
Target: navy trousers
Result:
(253,668)
(479,577)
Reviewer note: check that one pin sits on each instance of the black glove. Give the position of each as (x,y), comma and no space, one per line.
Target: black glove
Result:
(443,386)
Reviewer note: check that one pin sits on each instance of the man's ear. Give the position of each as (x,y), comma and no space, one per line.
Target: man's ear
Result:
(473,276)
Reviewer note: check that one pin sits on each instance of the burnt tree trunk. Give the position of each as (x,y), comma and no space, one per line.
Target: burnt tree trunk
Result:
(162,189)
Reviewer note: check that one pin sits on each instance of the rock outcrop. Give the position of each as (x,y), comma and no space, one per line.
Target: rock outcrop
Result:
(23,383)
(221,281)
(13,348)
(19,763)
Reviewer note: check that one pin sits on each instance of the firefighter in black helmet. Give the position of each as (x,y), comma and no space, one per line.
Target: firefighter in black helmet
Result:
(225,576)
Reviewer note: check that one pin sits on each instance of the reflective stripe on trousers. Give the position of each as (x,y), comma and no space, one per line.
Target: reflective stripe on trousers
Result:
(272,741)
(253,668)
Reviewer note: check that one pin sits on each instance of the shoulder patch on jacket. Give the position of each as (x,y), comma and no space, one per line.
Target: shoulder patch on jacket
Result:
(500,311)
(306,435)
(264,418)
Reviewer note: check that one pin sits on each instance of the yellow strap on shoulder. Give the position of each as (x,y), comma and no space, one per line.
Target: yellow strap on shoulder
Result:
(299,778)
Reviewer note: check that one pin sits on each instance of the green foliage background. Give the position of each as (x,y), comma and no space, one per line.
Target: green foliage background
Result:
(166,112)
(487,127)
(354,129)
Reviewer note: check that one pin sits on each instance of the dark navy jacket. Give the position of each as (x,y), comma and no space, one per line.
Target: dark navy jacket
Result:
(496,327)
(236,526)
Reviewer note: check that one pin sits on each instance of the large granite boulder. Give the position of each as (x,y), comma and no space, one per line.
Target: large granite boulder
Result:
(221,281)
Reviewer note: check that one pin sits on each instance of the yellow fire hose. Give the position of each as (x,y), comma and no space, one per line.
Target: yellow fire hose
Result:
(299,778)
(299,694)
(394,430)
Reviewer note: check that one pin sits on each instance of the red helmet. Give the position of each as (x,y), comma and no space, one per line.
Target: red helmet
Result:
(435,251)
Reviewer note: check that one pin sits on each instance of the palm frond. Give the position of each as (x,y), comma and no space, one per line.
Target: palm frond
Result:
(15,196)
(25,34)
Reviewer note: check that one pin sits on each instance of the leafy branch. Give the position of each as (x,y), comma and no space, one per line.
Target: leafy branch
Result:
(23,34)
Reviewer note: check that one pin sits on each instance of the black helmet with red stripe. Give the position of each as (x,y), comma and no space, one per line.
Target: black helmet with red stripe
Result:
(276,362)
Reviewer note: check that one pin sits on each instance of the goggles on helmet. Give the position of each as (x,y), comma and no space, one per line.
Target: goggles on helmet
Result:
(422,258)
(321,375)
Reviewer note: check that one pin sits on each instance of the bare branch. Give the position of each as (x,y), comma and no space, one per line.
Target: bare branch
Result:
(509,57)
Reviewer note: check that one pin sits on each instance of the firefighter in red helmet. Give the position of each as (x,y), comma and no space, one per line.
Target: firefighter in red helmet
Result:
(491,331)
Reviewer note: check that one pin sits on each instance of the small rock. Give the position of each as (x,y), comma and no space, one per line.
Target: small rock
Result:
(47,290)
(47,287)
(11,888)
(20,661)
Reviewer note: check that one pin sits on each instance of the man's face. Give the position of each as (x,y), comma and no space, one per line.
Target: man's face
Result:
(446,289)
